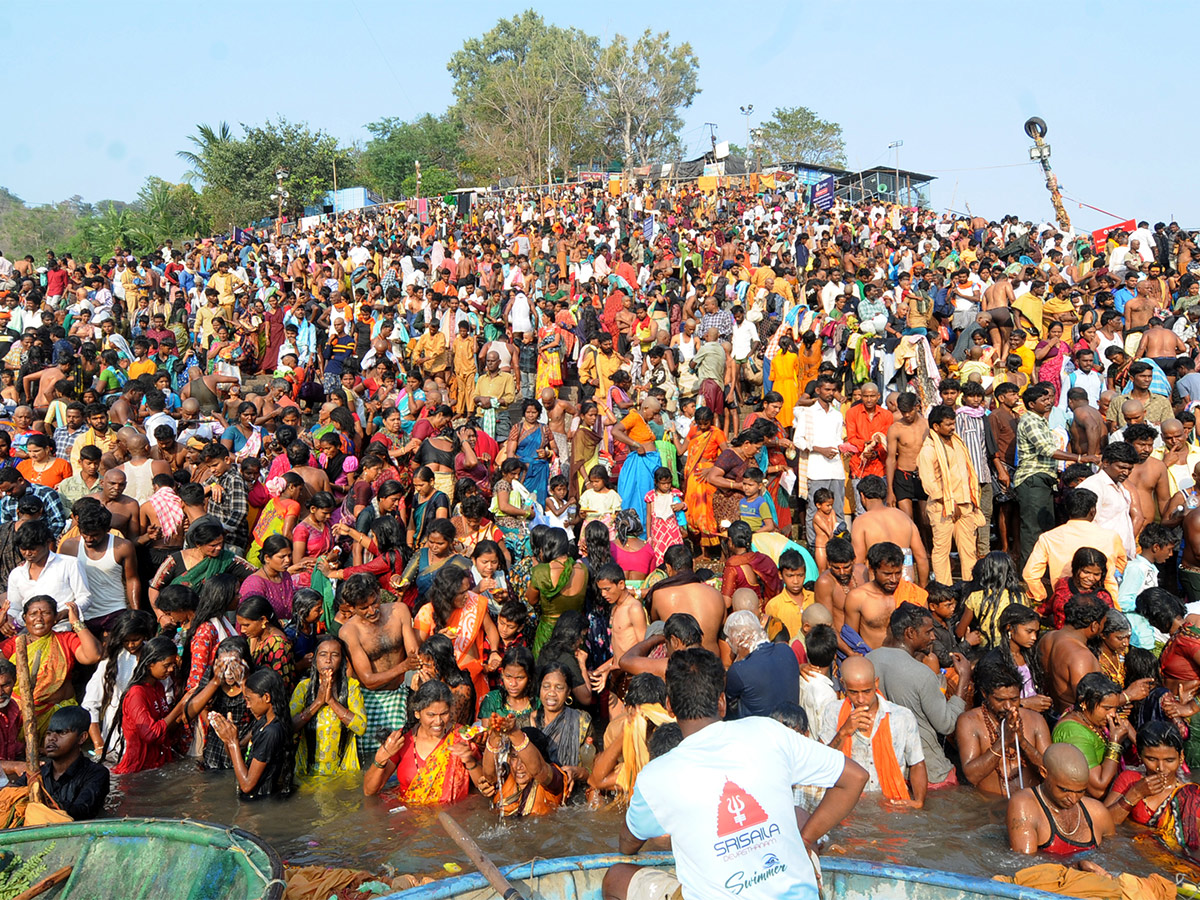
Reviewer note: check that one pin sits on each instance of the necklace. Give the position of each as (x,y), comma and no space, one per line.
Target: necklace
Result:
(1082,720)
(1065,832)
(1011,758)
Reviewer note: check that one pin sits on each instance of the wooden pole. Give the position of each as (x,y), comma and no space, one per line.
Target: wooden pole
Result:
(46,883)
(25,685)
(486,867)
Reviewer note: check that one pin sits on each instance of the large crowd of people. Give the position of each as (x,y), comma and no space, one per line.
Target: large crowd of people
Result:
(518,496)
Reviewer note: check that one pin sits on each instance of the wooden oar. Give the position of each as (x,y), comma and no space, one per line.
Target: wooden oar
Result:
(32,751)
(486,867)
(45,884)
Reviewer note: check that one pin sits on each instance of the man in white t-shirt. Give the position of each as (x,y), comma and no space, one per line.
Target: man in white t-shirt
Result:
(724,795)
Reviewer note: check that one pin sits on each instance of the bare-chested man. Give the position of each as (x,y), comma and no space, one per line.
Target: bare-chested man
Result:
(995,765)
(40,385)
(999,294)
(834,585)
(125,510)
(904,440)
(315,479)
(880,523)
(124,410)
(682,591)
(628,628)
(382,647)
(558,417)
(1064,654)
(679,632)
(1138,312)
(869,608)
(1160,344)
(1149,481)
(1106,399)
(1088,432)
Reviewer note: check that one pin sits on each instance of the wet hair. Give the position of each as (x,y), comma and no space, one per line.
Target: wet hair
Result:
(276,543)
(997,579)
(679,557)
(906,402)
(644,688)
(1084,610)
(790,561)
(129,624)
(359,588)
(1093,688)
(74,719)
(205,530)
(1017,614)
(941,412)
(1159,733)
(695,684)
(446,586)
(255,607)
(515,611)
(304,601)
(597,542)
(1159,607)
(791,715)
(555,544)
(1155,535)
(610,571)
(665,738)
(871,487)
(627,523)
(685,628)
(1139,664)
(341,693)
(155,650)
(1119,452)
(993,672)
(740,535)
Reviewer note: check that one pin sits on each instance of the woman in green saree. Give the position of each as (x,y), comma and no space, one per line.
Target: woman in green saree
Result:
(559,583)
(1093,727)
(203,556)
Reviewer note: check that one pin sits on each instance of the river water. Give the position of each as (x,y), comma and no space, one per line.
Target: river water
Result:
(332,824)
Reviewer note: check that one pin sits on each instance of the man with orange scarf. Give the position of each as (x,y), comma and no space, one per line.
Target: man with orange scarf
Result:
(950,480)
(880,736)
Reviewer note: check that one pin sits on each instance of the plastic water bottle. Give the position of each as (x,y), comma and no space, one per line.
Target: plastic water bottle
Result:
(910,570)
(587,754)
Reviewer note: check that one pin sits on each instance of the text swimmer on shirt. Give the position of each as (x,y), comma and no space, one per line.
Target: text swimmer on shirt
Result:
(742,771)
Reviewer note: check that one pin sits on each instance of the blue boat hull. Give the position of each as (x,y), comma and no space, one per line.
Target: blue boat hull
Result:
(579,878)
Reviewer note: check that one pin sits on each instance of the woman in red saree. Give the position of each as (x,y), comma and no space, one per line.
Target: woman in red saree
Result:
(431,764)
(459,613)
(705,443)
(776,449)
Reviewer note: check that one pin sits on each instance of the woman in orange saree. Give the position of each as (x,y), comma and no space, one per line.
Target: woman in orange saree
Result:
(459,613)
(705,443)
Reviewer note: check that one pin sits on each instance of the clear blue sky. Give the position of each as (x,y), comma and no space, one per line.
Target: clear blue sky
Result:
(130,80)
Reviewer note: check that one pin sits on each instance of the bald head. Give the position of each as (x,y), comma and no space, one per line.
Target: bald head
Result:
(815,615)
(745,599)
(858,673)
(1064,763)
(138,444)
(1132,409)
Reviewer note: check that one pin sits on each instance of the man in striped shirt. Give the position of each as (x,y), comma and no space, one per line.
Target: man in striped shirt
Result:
(971,422)
(1036,477)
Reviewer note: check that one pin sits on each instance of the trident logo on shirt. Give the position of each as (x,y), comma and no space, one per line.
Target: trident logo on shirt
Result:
(737,808)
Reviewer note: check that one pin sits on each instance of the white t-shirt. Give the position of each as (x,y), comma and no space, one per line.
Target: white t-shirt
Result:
(724,795)
(744,336)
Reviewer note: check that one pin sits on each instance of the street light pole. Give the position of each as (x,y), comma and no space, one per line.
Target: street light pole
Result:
(280,195)
(746,110)
(896,145)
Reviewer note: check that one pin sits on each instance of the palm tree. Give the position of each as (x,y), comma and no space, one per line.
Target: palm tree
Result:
(205,139)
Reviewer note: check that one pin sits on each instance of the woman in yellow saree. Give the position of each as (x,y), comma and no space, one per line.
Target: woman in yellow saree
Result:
(52,656)
(431,764)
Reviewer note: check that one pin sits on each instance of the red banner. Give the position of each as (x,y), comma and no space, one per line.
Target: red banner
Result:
(1099,237)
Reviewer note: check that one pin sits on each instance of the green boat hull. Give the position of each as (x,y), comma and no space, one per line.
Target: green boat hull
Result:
(152,859)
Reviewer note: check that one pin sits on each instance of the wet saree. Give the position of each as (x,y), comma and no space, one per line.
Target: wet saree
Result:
(538,477)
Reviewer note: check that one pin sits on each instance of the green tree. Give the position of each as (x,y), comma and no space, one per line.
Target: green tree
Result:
(434,141)
(521,109)
(635,92)
(435,182)
(797,133)
(240,177)
(205,138)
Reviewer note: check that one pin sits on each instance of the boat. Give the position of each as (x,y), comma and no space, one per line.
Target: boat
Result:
(579,878)
(152,859)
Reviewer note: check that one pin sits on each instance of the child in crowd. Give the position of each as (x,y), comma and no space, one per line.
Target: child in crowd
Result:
(789,604)
(487,571)
(665,512)
(1141,572)
(599,502)
(560,511)
(755,508)
(824,525)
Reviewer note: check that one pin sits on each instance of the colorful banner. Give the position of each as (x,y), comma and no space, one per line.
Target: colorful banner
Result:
(823,193)
(1100,236)
(241,236)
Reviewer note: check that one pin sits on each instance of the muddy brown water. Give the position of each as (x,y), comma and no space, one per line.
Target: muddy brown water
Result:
(330,823)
